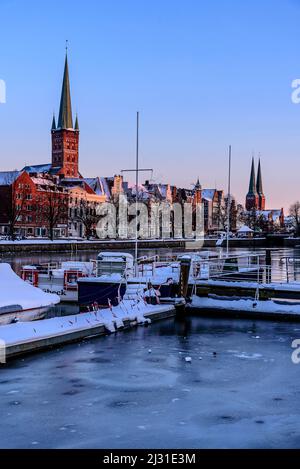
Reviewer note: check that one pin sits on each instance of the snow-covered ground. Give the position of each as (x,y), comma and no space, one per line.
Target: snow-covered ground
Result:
(247,306)
(87,241)
(288,286)
(14,293)
(112,319)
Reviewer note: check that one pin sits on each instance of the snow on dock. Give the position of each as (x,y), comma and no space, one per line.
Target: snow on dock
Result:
(32,336)
(270,290)
(283,286)
(17,295)
(248,307)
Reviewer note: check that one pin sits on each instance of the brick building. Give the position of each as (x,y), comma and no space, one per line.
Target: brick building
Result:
(32,206)
(256,202)
(36,200)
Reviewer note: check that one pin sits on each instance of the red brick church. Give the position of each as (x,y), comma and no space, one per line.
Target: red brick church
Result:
(65,136)
(44,198)
(256,200)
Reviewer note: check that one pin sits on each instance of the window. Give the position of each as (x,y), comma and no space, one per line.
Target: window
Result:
(40,231)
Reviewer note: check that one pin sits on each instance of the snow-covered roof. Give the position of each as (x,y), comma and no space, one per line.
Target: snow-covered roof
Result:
(8,177)
(143,193)
(141,188)
(39,168)
(99,186)
(163,188)
(72,180)
(112,254)
(245,229)
(208,194)
(104,187)
(39,181)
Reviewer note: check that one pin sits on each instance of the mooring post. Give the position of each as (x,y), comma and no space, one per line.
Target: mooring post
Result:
(185,267)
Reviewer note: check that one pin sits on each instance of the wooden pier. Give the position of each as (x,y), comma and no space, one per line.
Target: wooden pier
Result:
(47,340)
(247,289)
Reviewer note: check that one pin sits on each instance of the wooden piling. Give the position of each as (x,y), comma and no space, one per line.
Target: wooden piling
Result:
(185,267)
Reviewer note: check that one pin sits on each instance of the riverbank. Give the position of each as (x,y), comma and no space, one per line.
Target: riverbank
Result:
(71,246)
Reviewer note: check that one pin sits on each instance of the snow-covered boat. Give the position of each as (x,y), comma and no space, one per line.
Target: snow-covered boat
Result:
(102,279)
(108,276)
(115,275)
(20,300)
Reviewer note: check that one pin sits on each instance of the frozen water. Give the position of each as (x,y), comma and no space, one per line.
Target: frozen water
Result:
(246,396)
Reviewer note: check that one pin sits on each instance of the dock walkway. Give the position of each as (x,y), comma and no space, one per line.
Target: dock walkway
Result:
(28,337)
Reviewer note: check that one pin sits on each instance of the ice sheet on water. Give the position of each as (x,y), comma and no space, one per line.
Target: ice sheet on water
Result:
(248,356)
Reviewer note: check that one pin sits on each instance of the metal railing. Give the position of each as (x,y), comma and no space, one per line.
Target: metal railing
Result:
(235,267)
(247,267)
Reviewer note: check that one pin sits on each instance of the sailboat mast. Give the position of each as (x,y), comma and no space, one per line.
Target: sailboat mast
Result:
(136,189)
(228,201)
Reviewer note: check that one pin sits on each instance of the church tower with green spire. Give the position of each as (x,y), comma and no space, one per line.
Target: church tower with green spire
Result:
(252,199)
(65,137)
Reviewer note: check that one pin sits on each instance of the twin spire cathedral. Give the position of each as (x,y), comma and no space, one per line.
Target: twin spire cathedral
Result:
(255,198)
(65,136)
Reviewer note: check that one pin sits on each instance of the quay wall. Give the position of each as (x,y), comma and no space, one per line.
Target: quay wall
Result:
(32,246)
(68,246)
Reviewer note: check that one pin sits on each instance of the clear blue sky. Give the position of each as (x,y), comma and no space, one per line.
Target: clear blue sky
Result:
(202,73)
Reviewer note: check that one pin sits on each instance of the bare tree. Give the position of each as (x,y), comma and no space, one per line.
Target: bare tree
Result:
(253,219)
(222,215)
(87,215)
(55,209)
(295,215)
(15,207)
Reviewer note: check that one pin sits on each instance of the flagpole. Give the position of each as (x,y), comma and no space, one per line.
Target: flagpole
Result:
(136,192)
(228,201)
